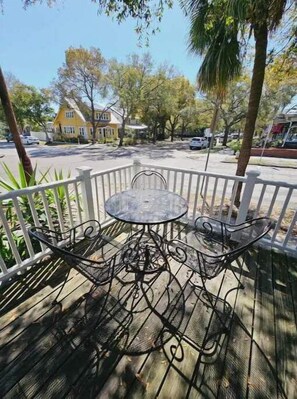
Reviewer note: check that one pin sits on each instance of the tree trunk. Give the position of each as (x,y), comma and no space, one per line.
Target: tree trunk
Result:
(122,133)
(155,132)
(261,40)
(226,134)
(13,127)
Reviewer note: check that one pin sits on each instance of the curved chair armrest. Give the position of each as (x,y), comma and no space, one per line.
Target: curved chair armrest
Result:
(235,236)
(207,266)
(181,251)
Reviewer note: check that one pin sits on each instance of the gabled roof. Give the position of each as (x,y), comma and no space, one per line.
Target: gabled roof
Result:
(72,104)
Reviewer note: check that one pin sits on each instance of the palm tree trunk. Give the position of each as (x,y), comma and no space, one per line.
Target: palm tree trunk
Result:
(13,127)
(261,40)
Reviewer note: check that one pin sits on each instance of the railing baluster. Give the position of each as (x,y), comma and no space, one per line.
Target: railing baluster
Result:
(78,203)
(260,200)
(290,230)
(10,239)
(204,197)
(189,188)
(282,214)
(196,197)
(273,201)
(223,199)
(234,190)
(23,226)
(213,197)
(68,204)
(47,210)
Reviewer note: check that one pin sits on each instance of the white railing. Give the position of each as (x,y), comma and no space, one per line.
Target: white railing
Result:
(63,204)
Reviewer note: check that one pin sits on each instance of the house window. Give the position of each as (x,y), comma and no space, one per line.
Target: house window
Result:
(102,116)
(82,131)
(69,114)
(69,129)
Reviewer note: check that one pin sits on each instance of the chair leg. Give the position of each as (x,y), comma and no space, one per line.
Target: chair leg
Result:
(55,301)
(212,303)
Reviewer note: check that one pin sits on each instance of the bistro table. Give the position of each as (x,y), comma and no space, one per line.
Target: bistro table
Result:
(150,297)
(146,207)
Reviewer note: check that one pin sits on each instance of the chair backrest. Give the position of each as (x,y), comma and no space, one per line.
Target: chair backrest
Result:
(75,246)
(233,237)
(214,244)
(149,179)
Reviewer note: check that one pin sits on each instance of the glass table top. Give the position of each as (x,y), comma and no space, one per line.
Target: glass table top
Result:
(149,206)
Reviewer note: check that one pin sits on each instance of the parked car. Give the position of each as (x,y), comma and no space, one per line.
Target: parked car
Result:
(8,137)
(29,139)
(25,139)
(198,143)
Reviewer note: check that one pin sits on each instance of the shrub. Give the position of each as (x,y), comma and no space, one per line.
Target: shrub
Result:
(12,183)
(235,145)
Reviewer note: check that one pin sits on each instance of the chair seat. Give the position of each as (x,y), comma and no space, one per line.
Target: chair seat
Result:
(208,246)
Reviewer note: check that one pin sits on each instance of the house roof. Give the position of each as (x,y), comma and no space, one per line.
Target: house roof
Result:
(72,104)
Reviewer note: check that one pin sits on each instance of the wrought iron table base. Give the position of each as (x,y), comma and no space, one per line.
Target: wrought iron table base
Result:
(145,252)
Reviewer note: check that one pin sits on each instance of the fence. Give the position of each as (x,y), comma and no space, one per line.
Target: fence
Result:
(63,204)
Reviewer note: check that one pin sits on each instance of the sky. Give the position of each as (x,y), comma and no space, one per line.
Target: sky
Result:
(33,41)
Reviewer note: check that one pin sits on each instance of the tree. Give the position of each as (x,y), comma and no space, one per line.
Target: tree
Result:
(31,106)
(155,106)
(12,123)
(233,108)
(128,84)
(82,78)
(182,96)
(40,111)
(215,29)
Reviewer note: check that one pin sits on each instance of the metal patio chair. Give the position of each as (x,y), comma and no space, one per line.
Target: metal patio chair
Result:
(149,179)
(211,247)
(81,247)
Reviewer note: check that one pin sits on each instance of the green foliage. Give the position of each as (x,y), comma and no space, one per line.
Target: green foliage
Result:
(11,183)
(129,141)
(235,145)
(31,106)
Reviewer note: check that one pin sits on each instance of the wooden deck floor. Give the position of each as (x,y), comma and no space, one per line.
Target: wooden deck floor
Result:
(163,342)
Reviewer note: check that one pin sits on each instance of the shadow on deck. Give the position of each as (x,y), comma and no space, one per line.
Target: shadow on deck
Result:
(156,337)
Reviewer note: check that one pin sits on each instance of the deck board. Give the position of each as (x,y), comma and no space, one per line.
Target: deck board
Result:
(74,350)
(286,343)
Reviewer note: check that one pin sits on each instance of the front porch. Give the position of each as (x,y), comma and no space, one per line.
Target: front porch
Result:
(69,350)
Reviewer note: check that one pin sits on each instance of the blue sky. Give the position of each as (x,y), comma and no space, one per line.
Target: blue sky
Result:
(33,41)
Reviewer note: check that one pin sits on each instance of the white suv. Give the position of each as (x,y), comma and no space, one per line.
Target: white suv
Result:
(198,142)
(29,139)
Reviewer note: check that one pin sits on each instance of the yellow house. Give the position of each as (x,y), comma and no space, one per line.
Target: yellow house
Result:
(71,122)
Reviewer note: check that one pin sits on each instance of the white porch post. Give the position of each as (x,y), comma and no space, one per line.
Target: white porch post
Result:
(86,192)
(252,176)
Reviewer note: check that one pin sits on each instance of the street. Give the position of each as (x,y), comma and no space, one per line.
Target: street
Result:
(100,157)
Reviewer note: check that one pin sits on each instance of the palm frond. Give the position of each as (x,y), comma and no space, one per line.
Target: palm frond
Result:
(221,61)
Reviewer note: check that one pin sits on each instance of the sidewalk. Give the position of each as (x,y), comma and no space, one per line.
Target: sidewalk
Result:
(266,161)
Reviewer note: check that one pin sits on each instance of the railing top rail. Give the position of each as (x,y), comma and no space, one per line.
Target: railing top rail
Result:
(39,187)
(103,172)
(276,183)
(195,172)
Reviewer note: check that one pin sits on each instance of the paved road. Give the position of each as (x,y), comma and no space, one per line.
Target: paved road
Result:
(101,157)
